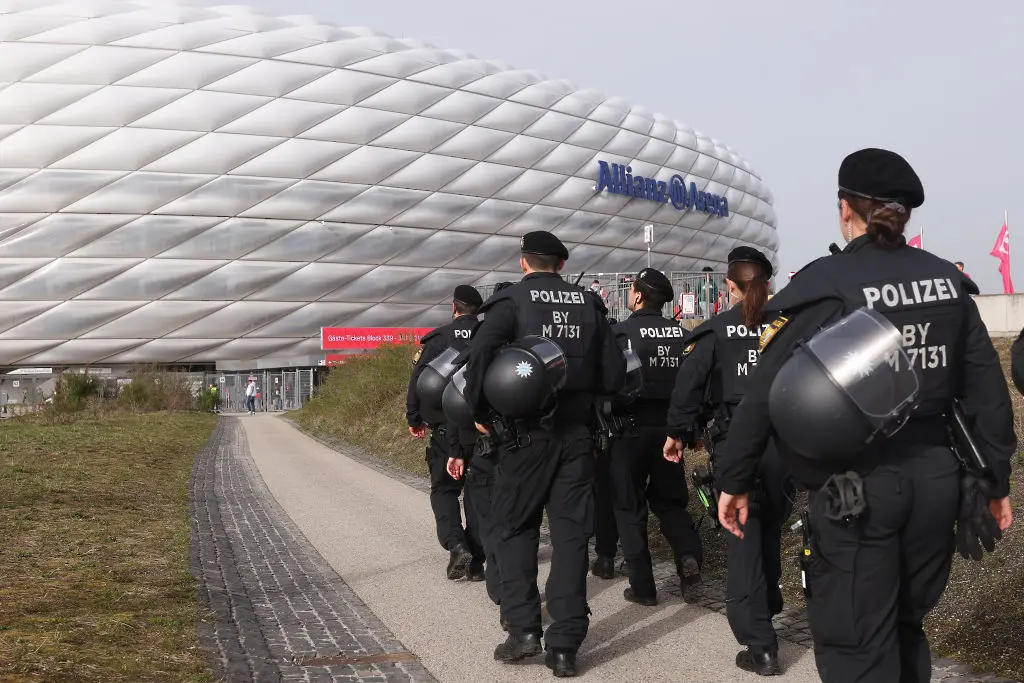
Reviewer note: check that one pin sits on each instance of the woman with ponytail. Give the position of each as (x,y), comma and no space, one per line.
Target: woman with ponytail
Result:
(886,504)
(719,358)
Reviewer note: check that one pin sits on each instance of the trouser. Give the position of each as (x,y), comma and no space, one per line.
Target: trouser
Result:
(480,523)
(641,477)
(444,494)
(556,470)
(873,582)
(606,533)
(250,403)
(752,593)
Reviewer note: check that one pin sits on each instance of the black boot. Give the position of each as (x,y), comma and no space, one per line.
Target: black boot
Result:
(561,662)
(603,567)
(689,577)
(459,560)
(762,664)
(475,571)
(645,600)
(518,647)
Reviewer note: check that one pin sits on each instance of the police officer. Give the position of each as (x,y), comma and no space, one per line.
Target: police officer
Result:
(606,534)
(472,459)
(553,464)
(640,476)
(882,528)
(1017,362)
(444,491)
(720,359)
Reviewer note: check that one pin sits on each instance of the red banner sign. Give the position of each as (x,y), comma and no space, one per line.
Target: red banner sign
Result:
(333,338)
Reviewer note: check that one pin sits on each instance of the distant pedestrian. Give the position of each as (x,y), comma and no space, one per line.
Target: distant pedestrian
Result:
(250,397)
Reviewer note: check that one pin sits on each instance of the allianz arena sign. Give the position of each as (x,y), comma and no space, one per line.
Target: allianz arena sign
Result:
(619,179)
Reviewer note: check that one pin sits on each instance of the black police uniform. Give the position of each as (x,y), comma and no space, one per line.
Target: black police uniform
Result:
(1017,362)
(606,533)
(640,475)
(720,359)
(474,449)
(554,466)
(873,581)
(444,491)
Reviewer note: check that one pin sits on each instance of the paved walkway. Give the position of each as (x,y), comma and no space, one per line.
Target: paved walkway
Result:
(320,566)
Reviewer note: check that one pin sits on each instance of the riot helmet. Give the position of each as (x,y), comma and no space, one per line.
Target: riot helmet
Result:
(431,383)
(456,408)
(850,386)
(524,376)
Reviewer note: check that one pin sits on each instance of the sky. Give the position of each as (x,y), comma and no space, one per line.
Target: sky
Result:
(792,86)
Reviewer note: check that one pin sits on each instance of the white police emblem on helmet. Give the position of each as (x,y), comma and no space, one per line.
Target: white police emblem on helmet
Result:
(860,363)
(524,369)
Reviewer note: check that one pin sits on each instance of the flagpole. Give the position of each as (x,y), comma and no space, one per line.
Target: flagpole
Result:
(922,237)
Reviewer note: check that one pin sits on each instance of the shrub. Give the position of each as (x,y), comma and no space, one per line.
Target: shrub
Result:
(152,390)
(73,390)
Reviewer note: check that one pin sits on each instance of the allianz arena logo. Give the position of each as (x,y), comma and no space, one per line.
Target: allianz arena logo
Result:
(619,179)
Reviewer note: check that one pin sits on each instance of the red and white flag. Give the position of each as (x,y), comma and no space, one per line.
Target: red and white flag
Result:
(915,242)
(1002,252)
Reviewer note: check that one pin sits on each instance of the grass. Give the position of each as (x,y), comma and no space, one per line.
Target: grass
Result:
(980,620)
(94,581)
(363,403)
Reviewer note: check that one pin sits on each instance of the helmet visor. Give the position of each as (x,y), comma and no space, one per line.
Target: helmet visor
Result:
(634,374)
(551,356)
(863,355)
(445,364)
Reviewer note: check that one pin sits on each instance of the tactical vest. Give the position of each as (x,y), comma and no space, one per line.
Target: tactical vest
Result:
(658,342)
(548,306)
(736,356)
(921,294)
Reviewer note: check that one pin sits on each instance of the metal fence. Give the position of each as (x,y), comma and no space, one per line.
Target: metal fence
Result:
(698,296)
(276,390)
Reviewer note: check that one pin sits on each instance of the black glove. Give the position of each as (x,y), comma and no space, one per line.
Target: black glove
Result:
(975,526)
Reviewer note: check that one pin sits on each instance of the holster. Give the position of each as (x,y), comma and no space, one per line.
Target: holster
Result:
(607,426)
(510,435)
(845,503)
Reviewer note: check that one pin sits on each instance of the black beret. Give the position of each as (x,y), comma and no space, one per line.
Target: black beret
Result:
(881,175)
(656,280)
(751,255)
(543,243)
(465,294)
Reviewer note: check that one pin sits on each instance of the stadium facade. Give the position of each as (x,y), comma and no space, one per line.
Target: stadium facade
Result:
(189,184)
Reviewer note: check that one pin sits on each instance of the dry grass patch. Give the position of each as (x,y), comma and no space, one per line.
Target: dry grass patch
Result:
(94,581)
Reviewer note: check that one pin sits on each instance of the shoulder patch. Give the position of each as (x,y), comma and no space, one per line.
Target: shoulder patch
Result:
(689,348)
(416,356)
(771,331)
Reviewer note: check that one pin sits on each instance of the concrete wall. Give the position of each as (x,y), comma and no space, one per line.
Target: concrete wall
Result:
(1003,313)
